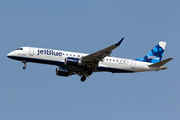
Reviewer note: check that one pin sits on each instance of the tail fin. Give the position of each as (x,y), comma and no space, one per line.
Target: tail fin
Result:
(155,55)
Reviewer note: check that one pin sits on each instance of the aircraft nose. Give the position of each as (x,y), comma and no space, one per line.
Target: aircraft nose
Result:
(10,54)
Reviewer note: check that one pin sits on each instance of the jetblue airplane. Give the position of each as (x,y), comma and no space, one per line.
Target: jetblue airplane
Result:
(70,63)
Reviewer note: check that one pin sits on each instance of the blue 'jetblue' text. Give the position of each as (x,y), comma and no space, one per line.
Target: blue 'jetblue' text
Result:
(48,52)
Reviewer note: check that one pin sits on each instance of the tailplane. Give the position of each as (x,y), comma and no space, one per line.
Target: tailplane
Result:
(160,64)
(155,55)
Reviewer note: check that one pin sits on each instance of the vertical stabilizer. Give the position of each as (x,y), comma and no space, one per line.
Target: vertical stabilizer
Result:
(155,55)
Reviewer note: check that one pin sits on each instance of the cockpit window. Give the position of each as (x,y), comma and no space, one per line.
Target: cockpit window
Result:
(20,49)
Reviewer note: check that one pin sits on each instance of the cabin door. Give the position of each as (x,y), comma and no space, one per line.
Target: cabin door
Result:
(31,51)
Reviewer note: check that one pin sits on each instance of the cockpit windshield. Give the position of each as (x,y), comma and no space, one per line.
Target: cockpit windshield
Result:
(20,49)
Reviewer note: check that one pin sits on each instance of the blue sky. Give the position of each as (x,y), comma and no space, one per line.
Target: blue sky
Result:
(88,26)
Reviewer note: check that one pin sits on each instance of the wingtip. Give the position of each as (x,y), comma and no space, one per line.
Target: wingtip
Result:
(117,44)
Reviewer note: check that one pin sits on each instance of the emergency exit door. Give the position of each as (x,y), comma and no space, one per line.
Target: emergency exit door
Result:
(133,63)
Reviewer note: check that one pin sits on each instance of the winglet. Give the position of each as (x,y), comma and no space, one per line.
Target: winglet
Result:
(117,44)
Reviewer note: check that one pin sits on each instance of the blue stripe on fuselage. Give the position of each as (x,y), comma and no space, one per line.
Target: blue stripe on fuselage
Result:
(35,60)
(50,62)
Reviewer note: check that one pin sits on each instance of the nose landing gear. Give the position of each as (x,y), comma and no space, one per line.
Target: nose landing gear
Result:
(24,67)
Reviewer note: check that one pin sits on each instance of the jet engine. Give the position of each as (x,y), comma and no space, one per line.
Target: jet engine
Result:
(72,61)
(63,72)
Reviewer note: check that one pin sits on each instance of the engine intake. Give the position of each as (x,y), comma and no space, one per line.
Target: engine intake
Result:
(72,61)
(63,72)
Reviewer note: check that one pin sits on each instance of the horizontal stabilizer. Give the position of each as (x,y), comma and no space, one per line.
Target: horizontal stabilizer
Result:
(161,63)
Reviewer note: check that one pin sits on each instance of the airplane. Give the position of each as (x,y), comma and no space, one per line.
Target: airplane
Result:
(71,63)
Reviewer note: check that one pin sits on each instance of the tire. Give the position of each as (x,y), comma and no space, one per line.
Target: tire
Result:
(83,78)
(24,67)
(89,72)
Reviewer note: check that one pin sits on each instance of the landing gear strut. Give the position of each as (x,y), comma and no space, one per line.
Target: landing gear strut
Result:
(83,78)
(24,67)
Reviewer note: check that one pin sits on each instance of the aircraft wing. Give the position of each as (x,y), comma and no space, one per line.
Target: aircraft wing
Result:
(98,56)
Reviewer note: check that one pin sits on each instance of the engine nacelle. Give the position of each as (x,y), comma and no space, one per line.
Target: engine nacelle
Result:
(63,72)
(72,61)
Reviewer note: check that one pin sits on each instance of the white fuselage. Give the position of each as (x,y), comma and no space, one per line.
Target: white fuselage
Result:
(57,57)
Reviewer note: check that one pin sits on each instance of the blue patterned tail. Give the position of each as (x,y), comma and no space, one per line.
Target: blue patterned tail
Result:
(155,55)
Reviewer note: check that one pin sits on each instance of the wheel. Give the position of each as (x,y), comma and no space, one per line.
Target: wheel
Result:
(83,78)
(89,72)
(24,67)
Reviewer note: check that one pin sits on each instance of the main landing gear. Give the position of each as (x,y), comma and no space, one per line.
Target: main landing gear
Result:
(88,72)
(83,78)
(24,67)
